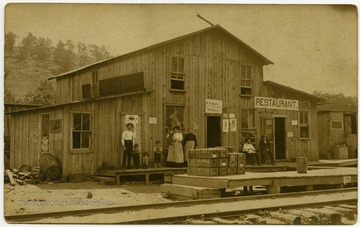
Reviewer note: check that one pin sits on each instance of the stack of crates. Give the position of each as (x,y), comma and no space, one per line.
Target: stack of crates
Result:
(237,163)
(208,162)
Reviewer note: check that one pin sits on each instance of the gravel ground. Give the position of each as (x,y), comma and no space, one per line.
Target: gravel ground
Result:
(47,197)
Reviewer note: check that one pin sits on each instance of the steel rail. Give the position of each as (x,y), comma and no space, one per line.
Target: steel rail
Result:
(109,210)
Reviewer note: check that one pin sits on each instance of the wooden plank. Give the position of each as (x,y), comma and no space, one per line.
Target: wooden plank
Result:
(191,191)
(201,182)
(10,175)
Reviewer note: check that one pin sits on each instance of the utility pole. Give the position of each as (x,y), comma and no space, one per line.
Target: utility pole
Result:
(199,16)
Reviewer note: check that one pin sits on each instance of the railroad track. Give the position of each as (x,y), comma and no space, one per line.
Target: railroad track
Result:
(207,209)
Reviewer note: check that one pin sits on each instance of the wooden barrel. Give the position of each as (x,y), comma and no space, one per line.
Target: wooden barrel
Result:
(49,166)
(301,164)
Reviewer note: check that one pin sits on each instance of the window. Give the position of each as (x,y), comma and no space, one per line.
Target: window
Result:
(95,77)
(350,125)
(304,125)
(246,80)
(174,117)
(177,73)
(248,129)
(81,131)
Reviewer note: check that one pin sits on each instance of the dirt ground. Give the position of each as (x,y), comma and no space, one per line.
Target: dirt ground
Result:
(51,197)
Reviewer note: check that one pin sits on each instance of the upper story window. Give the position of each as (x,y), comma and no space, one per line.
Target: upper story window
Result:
(304,125)
(95,77)
(177,73)
(246,80)
(95,84)
(81,131)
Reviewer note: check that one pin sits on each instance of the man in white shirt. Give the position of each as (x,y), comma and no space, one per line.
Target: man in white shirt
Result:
(127,141)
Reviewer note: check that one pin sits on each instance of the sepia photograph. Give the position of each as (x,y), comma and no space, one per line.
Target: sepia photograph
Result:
(180,113)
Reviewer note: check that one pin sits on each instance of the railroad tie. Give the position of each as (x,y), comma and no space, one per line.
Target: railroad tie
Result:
(348,213)
(333,216)
(290,219)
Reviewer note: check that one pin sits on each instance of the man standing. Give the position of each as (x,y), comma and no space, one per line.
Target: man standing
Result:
(127,141)
(265,150)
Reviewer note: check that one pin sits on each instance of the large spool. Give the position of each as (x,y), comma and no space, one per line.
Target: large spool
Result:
(49,166)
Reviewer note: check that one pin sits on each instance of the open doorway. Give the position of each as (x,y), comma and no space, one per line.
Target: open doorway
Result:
(213,131)
(280,139)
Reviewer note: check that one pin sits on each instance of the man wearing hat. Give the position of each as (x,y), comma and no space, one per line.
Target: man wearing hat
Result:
(127,141)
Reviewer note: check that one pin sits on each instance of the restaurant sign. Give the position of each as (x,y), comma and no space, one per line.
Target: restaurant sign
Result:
(271,103)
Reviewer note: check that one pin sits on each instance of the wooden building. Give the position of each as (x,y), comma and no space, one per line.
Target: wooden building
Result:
(337,134)
(208,80)
(8,108)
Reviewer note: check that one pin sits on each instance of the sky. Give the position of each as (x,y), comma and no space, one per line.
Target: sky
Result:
(313,47)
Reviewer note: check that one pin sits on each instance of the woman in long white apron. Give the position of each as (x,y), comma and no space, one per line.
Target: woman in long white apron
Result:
(176,153)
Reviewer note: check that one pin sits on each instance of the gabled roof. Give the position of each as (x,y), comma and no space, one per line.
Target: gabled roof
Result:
(280,86)
(264,60)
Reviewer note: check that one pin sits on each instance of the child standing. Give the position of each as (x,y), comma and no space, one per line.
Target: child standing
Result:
(145,158)
(157,151)
(136,155)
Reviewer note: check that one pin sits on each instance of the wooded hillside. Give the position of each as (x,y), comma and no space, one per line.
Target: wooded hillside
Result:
(30,62)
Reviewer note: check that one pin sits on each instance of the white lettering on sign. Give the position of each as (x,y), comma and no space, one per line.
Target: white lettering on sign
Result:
(270,103)
(213,106)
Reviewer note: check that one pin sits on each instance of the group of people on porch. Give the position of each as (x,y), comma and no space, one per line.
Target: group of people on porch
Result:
(177,149)
(176,154)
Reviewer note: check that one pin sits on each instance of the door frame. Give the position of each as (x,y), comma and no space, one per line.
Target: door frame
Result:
(285,142)
(206,127)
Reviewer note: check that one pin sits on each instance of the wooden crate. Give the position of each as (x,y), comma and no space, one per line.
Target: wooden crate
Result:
(223,153)
(241,164)
(232,164)
(207,162)
(192,170)
(207,153)
(203,171)
(223,171)
(193,153)
(241,157)
(231,171)
(240,170)
(233,156)
(223,162)
(192,162)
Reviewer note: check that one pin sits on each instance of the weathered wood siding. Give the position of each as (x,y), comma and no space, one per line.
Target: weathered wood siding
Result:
(212,71)
(105,136)
(295,146)
(330,137)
